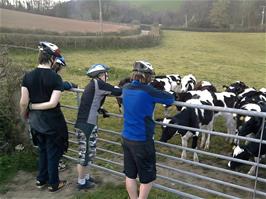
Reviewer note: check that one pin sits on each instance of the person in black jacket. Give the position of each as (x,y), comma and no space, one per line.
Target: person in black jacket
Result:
(58,65)
(41,90)
(86,123)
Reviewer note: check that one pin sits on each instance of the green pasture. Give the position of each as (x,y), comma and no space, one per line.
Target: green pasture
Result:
(221,58)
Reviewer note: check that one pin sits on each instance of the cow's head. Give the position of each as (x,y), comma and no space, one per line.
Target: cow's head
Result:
(236,87)
(167,131)
(175,81)
(241,119)
(158,84)
(238,153)
(188,83)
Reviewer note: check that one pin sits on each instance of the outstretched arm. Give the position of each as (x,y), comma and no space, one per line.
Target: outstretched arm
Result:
(109,89)
(55,97)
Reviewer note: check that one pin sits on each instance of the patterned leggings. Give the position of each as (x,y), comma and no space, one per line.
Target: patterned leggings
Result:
(87,146)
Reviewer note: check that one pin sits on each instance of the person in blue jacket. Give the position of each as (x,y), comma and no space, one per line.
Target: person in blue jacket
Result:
(139,99)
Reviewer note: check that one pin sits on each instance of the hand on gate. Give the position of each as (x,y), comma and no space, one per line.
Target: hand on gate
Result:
(103,112)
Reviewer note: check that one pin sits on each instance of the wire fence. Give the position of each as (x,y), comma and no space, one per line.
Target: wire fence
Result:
(186,178)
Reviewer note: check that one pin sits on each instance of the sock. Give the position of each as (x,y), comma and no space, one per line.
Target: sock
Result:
(87,176)
(81,181)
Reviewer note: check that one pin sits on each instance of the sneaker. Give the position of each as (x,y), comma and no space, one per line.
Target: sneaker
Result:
(40,184)
(87,185)
(58,187)
(91,179)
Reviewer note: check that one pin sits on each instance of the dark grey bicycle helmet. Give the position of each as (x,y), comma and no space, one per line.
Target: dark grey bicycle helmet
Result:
(97,69)
(60,61)
(144,67)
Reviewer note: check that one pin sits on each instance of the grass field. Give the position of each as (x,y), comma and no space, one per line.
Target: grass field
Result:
(220,58)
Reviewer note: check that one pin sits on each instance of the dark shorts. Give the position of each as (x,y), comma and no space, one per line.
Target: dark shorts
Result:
(139,159)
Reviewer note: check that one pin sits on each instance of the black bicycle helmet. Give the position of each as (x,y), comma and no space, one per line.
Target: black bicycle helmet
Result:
(144,67)
(97,69)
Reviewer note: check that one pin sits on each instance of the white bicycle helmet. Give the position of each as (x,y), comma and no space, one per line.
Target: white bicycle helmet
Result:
(142,66)
(49,48)
(97,69)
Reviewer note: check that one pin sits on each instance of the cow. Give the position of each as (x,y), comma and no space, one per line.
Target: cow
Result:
(190,117)
(205,85)
(236,87)
(250,95)
(253,125)
(223,99)
(263,90)
(188,83)
(169,83)
(241,119)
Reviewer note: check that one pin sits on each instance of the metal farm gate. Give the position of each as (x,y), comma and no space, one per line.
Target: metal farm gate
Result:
(208,178)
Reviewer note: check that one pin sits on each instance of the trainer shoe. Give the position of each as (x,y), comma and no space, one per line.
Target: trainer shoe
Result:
(87,185)
(40,184)
(91,179)
(58,187)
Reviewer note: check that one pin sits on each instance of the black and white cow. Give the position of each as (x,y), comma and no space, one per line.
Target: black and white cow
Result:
(223,99)
(250,95)
(236,87)
(205,85)
(241,119)
(245,94)
(188,83)
(190,117)
(168,83)
(263,90)
(254,125)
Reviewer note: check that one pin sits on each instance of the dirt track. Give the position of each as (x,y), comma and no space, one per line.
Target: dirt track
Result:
(23,185)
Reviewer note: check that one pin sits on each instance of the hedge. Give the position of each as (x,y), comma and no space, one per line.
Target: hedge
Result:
(96,42)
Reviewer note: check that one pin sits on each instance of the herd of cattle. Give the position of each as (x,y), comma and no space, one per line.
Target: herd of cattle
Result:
(237,95)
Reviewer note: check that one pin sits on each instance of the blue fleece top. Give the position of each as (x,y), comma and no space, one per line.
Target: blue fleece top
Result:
(139,102)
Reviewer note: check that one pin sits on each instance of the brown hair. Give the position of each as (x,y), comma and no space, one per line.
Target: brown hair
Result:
(142,77)
(44,58)
(56,67)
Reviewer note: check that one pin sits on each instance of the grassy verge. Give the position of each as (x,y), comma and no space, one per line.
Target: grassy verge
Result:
(110,191)
(10,164)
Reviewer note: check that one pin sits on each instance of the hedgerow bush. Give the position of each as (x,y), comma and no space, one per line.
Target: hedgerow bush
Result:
(11,128)
(95,42)
(132,31)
